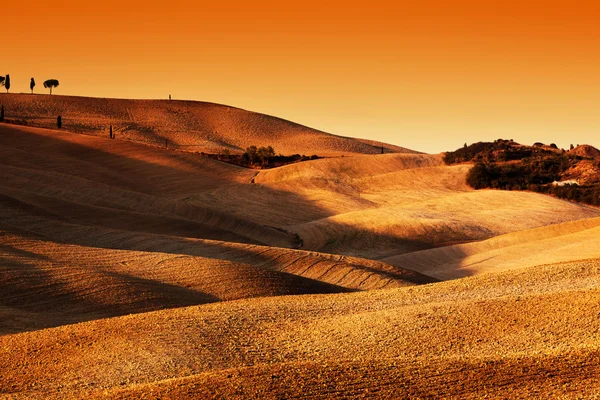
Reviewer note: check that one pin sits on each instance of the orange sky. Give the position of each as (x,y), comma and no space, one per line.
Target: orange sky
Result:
(428,75)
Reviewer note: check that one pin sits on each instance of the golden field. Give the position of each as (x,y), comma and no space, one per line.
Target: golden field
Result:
(128,270)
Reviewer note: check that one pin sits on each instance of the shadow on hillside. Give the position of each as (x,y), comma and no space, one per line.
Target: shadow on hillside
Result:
(46,152)
(271,258)
(109,161)
(65,159)
(41,294)
(37,292)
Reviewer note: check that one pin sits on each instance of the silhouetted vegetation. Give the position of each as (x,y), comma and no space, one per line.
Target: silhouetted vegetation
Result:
(522,175)
(588,194)
(497,151)
(259,157)
(50,84)
(7,82)
(2,79)
(32,85)
(507,165)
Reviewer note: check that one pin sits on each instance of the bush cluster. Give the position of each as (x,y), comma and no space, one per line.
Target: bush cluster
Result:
(588,194)
(520,175)
(260,157)
(505,165)
(497,151)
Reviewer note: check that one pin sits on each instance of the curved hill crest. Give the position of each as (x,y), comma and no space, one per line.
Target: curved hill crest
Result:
(186,125)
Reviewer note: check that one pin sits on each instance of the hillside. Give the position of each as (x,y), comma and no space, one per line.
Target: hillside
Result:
(79,212)
(390,204)
(129,271)
(187,125)
(585,151)
(515,334)
(393,203)
(46,283)
(564,242)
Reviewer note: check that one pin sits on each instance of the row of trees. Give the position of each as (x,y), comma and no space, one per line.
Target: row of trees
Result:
(258,157)
(49,84)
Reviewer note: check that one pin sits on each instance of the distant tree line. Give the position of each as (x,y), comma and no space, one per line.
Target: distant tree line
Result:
(48,84)
(507,165)
(497,151)
(519,176)
(259,157)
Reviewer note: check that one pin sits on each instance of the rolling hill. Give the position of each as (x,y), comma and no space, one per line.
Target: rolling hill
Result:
(187,125)
(564,242)
(502,335)
(128,270)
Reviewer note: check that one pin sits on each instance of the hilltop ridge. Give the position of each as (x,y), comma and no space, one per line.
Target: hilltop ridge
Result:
(186,125)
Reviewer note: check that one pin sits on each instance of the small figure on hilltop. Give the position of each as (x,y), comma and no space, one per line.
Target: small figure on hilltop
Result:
(111,133)
(169,97)
(32,85)
(2,113)
(59,122)
(51,83)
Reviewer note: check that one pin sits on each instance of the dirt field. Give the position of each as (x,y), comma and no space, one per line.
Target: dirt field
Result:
(133,271)
(186,125)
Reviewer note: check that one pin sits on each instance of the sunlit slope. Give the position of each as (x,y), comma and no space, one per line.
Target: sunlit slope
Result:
(188,125)
(519,333)
(385,205)
(49,284)
(367,206)
(312,190)
(44,283)
(347,272)
(121,185)
(463,217)
(556,243)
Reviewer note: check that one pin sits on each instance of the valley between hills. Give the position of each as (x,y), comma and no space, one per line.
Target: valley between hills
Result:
(130,270)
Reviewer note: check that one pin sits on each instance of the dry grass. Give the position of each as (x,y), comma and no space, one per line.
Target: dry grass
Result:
(529,332)
(223,306)
(187,125)
(555,243)
(50,284)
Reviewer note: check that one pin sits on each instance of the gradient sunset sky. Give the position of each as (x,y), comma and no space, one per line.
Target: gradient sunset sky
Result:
(427,75)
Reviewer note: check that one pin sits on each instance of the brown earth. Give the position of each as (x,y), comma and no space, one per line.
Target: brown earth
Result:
(530,332)
(187,125)
(131,271)
(586,151)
